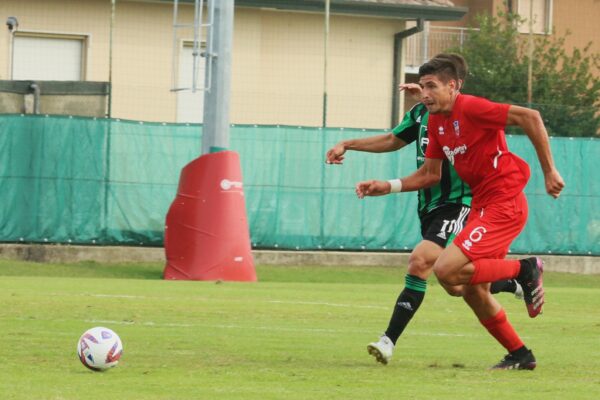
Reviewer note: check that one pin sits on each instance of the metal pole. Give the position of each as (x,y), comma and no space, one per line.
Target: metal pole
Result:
(530,64)
(215,133)
(396,78)
(209,46)
(197,42)
(425,43)
(174,69)
(110,55)
(12,54)
(324,122)
(325,56)
(108,140)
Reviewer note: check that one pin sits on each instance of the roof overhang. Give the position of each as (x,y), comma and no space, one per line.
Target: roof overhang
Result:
(364,8)
(386,9)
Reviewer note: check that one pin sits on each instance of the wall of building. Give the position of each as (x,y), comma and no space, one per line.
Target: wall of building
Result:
(89,17)
(475,7)
(142,65)
(279,56)
(581,17)
(277,67)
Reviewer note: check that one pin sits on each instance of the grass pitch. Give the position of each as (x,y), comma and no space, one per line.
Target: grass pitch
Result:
(299,333)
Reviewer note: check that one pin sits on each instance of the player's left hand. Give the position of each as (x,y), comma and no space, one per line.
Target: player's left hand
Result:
(554,183)
(372,188)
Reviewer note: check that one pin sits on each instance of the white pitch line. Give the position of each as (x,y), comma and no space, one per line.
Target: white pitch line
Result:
(242,327)
(309,303)
(262,328)
(316,303)
(117,296)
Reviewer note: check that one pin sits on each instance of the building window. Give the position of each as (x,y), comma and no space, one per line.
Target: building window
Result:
(49,57)
(541,13)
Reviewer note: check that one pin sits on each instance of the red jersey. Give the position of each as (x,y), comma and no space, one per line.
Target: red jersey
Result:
(472,138)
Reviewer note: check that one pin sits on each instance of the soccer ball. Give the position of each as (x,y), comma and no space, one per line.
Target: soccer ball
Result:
(99,348)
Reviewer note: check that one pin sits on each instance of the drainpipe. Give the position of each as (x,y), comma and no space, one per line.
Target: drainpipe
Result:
(13,25)
(398,37)
(35,88)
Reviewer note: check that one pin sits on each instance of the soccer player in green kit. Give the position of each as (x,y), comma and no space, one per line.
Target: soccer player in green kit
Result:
(443,210)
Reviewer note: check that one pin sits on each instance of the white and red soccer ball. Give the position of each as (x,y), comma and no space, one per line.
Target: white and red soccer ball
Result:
(99,348)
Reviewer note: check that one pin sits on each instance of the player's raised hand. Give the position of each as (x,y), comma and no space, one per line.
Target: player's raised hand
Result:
(372,188)
(554,183)
(414,89)
(335,155)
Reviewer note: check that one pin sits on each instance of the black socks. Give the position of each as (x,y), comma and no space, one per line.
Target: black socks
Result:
(406,306)
(509,286)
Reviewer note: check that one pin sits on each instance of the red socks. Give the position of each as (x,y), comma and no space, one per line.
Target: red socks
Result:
(499,327)
(492,270)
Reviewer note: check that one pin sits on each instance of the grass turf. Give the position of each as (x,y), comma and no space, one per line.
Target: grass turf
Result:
(299,333)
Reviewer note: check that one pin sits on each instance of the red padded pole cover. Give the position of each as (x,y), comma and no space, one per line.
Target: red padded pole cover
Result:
(206,230)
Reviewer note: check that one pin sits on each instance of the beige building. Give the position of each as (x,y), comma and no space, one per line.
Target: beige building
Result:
(553,17)
(278,68)
(550,17)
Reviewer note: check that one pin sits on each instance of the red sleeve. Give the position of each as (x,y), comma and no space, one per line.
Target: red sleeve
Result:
(434,150)
(484,113)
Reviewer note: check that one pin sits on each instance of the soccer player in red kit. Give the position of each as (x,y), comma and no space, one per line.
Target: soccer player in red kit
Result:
(469,132)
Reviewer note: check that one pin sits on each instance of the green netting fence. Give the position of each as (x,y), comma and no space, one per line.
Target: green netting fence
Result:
(101,181)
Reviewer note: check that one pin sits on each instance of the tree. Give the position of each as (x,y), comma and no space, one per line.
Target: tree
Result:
(564,89)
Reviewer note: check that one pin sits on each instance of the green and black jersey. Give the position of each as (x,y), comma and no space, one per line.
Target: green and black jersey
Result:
(451,188)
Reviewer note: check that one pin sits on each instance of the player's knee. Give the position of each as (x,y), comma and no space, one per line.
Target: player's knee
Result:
(456,291)
(446,274)
(419,266)
(472,293)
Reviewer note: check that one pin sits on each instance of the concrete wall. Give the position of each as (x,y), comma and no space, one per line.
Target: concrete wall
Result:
(11,103)
(89,106)
(108,254)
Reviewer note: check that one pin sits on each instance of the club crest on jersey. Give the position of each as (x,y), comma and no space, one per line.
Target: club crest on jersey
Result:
(441,130)
(456,128)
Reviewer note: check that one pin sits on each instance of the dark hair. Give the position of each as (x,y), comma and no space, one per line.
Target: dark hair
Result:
(459,62)
(446,67)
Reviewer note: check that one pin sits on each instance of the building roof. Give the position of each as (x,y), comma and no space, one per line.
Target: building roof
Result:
(432,10)
(401,9)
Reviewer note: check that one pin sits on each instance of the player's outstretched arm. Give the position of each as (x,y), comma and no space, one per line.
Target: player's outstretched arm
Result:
(428,175)
(373,144)
(531,122)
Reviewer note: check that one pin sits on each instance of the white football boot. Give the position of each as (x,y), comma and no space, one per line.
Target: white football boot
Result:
(382,350)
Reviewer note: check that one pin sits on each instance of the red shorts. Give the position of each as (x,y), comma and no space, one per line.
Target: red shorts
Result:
(490,230)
